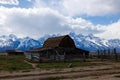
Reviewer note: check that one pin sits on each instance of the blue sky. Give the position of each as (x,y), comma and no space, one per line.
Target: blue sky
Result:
(103,20)
(36,18)
(22,4)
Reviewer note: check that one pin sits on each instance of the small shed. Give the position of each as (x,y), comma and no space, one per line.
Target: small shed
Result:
(60,48)
(14,52)
(3,54)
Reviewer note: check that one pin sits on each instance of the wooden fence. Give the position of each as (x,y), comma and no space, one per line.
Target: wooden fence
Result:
(107,54)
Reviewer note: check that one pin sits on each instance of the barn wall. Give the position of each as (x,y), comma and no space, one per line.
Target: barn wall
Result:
(57,54)
(52,55)
(28,55)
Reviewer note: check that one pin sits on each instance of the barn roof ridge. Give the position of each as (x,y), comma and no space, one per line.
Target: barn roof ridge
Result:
(54,41)
(58,36)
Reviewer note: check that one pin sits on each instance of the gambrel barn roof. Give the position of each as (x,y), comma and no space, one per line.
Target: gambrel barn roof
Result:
(61,41)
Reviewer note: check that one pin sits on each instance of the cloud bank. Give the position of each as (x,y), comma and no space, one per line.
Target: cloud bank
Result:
(112,31)
(57,17)
(82,7)
(36,22)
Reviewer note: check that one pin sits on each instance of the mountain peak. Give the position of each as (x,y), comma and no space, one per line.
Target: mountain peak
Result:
(87,42)
(12,36)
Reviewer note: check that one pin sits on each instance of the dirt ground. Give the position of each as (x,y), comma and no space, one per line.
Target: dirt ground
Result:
(107,71)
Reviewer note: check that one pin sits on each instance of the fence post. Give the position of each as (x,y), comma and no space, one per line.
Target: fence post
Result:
(116,56)
(98,54)
(108,54)
(102,55)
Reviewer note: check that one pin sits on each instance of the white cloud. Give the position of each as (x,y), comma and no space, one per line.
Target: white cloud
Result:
(36,22)
(83,26)
(112,31)
(32,22)
(29,0)
(11,2)
(82,7)
(91,7)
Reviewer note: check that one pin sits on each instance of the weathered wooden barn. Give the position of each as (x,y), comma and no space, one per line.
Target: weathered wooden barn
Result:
(60,48)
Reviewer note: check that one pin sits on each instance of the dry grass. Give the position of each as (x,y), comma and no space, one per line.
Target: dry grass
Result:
(13,63)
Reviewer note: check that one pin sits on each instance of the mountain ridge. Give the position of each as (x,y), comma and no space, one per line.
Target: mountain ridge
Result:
(86,42)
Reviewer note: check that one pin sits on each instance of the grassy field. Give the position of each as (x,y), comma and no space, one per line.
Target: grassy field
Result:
(67,64)
(13,63)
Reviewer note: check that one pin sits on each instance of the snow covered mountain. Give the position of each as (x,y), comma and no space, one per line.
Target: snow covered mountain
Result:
(28,43)
(12,42)
(87,42)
